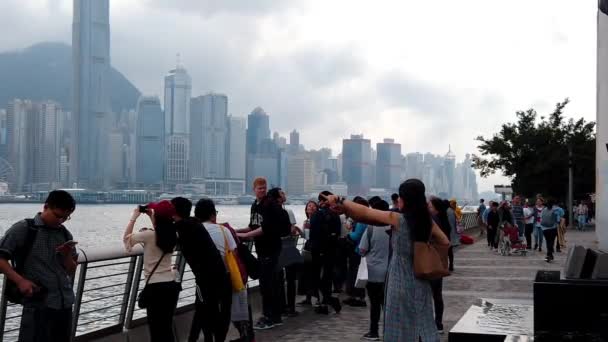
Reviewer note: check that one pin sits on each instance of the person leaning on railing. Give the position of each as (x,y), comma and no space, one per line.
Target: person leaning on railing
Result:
(161,289)
(47,260)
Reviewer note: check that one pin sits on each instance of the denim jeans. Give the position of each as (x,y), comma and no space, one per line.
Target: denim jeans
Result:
(538,236)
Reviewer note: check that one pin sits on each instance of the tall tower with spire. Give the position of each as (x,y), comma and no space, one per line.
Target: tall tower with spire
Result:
(449,167)
(91,109)
(178,87)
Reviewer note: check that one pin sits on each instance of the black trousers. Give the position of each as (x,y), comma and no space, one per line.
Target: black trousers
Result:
(375,291)
(340,270)
(550,235)
(324,274)
(270,287)
(437,288)
(160,311)
(291,276)
(41,324)
(528,233)
(492,237)
(212,315)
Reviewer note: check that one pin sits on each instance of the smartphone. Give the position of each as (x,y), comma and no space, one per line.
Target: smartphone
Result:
(143,209)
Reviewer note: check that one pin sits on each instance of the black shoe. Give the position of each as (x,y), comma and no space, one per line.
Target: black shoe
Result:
(535,246)
(322,310)
(440,328)
(371,337)
(540,249)
(263,324)
(292,313)
(277,322)
(335,304)
(558,250)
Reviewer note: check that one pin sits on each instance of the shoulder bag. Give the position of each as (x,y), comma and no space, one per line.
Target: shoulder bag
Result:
(142,299)
(430,260)
(232,266)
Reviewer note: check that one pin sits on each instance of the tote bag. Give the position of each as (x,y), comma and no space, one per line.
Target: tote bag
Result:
(362,275)
(232,266)
(430,260)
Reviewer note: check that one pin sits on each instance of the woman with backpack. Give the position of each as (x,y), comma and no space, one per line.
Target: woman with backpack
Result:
(160,294)
(549,221)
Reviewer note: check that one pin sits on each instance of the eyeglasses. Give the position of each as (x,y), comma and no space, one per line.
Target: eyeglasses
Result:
(62,217)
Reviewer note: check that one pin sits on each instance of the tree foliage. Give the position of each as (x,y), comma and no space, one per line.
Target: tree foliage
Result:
(533,152)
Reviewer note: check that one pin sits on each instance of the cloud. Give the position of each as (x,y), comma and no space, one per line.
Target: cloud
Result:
(209,8)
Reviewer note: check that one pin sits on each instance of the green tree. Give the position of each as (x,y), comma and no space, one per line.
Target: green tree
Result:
(533,153)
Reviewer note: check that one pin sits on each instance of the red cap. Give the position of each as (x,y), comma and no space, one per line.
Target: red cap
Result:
(163,209)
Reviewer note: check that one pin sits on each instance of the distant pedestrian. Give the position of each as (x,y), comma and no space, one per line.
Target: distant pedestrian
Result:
(481,209)
(306,283)
(518,215)
(452,211)
(529,223)
(538,230)
(438,210)
(374,247)
(582,212)
(395,202)
(550,217)
(350,248)
(493,226)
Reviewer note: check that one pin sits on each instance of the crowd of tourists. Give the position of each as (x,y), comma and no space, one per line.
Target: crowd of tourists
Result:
(536,220)
(362,247)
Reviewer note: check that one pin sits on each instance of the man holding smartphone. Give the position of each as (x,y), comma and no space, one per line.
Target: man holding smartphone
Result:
(46,261)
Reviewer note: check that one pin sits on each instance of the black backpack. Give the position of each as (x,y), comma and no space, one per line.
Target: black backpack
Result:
(12,293)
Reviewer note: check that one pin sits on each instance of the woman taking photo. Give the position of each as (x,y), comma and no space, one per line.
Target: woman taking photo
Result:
(161,290)
(409,309)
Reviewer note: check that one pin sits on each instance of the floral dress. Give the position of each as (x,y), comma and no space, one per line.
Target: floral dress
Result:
(408,313)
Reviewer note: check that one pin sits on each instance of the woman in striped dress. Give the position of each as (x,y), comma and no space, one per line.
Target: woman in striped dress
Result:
(408,313)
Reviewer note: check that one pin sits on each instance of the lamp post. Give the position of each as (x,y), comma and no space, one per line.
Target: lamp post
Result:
(570,184)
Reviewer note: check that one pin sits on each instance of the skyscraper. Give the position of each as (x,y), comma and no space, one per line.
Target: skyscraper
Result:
(91,65)
(356,168)
(45,143)
(294,141)
(449,168)
(3,138)
(258,129)
(300,174)
(237,129)
(149,141)
(178,87)
(208,136)
(388,164)
(19,128)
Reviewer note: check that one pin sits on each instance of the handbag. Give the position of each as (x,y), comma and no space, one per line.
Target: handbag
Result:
(232,266)
(142,298)
(290,255)
(252,265)
(430,260)
(362,275)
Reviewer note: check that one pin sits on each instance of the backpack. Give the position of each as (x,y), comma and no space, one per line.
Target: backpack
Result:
(13,294)
(547,218)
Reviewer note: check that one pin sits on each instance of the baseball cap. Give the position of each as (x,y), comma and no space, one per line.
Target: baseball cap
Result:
(163,208)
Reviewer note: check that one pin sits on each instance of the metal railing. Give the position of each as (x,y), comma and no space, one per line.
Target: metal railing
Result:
(107,283)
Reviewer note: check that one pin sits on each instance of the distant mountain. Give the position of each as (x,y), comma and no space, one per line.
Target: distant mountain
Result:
(44,71)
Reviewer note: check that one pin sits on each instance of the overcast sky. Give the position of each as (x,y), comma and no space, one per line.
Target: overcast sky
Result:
(426,73)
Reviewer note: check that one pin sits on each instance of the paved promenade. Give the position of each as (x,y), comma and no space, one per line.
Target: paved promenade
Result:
(479,273)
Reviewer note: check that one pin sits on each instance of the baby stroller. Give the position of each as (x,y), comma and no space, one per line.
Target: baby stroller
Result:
(511,243)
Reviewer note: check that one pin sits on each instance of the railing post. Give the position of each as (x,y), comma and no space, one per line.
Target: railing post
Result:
(128,285)
(79,291)
(3,306)
(134,291)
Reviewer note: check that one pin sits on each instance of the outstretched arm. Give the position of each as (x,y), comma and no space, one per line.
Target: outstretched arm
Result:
(361,213)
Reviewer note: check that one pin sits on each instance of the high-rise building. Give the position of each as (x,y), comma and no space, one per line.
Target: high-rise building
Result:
(149,141)
(91,109)
(449,167)
(237,129)
(300,174)
(260,148)
(19,128)
(414,165)
(45,143)
(258,129)
(208,136)
(3,137)
(356,168)
(178,87)
(294,141)
(388,164)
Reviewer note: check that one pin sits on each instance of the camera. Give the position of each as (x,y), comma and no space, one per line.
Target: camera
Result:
(143,208)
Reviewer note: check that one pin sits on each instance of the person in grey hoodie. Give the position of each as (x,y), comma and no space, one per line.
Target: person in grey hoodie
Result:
(454,238)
